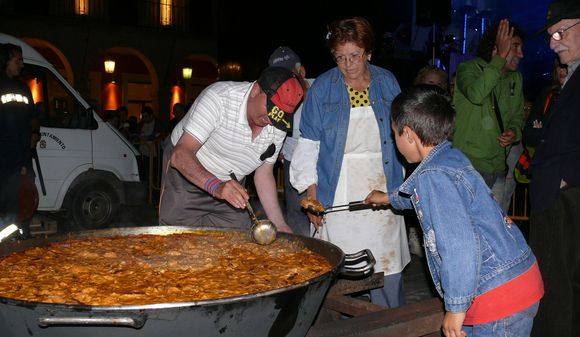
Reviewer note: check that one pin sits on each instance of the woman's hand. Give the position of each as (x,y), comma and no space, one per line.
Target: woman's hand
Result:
(452,324)
(377,198)
(316,220)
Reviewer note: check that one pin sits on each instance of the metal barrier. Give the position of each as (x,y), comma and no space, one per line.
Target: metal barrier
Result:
(154,168)
(520,203)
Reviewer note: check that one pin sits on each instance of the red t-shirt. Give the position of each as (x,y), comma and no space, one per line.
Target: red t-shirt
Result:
(507,299)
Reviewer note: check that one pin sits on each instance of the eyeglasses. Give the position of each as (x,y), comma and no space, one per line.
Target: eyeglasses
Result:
(352,58)
(558,35)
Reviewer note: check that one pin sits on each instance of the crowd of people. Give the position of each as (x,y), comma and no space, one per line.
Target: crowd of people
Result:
(344,144)
(448,151)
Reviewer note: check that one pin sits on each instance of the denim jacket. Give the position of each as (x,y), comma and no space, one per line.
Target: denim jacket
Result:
(325,118)
(471,246)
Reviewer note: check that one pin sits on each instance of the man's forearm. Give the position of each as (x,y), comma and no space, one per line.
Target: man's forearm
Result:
(268,194)
(191,168)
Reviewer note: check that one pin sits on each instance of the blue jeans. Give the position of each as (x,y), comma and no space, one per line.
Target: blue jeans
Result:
(516,325)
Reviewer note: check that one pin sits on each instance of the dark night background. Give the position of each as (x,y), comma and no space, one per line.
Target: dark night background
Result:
(250,31)
(246,32)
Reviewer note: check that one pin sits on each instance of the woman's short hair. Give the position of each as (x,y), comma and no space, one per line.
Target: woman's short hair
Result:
(356,30)
(427,110)
(487,43)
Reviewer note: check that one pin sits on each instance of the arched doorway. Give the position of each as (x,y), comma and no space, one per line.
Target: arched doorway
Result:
(132,83)
(53,55)
(203,72)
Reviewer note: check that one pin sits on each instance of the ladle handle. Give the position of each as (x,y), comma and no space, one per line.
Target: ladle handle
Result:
(248,206)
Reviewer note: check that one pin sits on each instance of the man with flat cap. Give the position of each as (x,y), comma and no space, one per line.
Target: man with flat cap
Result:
(555,186)
(232,127)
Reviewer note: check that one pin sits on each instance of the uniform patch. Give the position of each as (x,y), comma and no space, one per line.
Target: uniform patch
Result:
(18,98)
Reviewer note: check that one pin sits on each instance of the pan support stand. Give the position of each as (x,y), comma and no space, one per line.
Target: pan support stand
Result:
(418,319)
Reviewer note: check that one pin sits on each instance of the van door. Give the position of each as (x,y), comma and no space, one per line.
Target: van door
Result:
(65,147)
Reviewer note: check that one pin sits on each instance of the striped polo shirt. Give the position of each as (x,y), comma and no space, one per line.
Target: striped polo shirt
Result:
(218,120)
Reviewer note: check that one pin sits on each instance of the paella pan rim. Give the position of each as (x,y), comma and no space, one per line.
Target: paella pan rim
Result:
(167,230)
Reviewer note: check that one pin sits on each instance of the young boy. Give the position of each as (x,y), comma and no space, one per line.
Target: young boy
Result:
(479,261)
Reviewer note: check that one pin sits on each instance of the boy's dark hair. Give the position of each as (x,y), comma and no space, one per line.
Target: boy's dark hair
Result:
(427,110)
(487,43)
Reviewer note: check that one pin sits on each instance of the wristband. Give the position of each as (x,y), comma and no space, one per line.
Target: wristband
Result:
(212,184)
(215,187)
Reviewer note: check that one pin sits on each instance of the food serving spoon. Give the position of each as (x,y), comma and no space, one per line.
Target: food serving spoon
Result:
(263,231)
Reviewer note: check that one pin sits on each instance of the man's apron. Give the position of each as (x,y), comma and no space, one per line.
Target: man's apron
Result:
(381,231)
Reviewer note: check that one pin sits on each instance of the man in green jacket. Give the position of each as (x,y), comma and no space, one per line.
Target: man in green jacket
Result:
(490,104)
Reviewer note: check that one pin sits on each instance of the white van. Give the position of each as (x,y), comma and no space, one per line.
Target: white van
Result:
(88,167)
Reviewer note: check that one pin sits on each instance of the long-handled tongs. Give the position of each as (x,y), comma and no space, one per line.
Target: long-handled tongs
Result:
(351,206)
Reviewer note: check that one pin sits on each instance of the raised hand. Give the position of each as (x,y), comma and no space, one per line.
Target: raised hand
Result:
(503,39)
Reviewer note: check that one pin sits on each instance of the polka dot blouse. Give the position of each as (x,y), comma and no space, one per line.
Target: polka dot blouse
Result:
(358,98)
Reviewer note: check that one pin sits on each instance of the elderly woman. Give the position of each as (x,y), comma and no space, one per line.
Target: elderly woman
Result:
(346,150)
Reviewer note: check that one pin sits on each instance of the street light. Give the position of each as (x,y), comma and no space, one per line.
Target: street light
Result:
(82,7)
(109,66)
(186,72)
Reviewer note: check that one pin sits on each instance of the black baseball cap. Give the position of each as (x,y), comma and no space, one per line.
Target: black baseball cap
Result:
(561,10)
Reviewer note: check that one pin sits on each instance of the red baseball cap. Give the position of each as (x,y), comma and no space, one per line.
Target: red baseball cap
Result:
(284,93)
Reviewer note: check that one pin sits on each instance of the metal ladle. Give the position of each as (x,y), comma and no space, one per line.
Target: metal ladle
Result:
(263,232)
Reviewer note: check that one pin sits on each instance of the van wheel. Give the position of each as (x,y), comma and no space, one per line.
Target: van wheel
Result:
(94,206)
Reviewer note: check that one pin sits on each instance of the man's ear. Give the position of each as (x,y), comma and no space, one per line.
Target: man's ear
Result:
(494,51)
(301,72)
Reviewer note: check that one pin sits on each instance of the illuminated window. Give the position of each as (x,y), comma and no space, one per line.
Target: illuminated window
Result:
(82,7)
(165,10)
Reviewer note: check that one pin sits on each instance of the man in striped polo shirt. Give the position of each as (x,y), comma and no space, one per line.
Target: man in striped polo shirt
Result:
(234,127)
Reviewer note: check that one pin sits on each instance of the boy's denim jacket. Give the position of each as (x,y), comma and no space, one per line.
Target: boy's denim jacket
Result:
(325,118)
(472,247)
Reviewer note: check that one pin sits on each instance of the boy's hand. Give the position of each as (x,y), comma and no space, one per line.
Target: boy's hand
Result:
(377,198)
(452,324)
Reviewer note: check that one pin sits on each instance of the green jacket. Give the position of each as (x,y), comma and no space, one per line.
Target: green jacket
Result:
(476,125)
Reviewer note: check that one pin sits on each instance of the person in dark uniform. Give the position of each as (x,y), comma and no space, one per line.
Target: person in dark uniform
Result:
(555,185)
(18,134)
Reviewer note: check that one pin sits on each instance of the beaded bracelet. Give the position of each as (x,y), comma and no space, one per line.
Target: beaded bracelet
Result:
(212,184)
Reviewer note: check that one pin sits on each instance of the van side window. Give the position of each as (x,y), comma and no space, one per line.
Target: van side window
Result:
(56,106)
